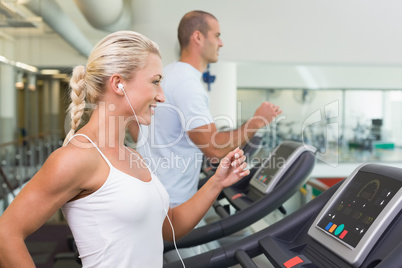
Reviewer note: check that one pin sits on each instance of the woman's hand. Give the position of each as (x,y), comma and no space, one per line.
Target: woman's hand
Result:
(231,169)
(187,215)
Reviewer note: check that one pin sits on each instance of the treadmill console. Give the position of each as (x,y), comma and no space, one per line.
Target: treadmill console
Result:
(359,212)
(274,167)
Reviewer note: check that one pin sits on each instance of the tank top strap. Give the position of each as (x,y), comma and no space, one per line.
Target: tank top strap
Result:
(93,143)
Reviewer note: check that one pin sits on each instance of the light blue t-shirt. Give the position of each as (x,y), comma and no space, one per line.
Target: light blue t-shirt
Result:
(169,151)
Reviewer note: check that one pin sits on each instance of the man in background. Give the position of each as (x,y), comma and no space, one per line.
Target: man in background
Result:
(185,129)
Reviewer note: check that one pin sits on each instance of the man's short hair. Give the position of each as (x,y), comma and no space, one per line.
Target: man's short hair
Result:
(192,21)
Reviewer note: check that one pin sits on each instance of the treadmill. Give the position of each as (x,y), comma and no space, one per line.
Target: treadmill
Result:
(355,223)
(280,175)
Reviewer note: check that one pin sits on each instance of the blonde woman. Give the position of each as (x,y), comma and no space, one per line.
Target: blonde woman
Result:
(117,209)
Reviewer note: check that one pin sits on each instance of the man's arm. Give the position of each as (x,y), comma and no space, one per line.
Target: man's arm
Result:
(215,144)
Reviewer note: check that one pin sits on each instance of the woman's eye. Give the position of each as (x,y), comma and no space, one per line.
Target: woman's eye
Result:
(157,82)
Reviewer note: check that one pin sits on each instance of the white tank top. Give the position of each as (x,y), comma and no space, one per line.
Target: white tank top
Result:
(120,224)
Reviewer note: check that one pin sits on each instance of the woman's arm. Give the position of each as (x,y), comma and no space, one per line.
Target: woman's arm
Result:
(55,184)
(186,216)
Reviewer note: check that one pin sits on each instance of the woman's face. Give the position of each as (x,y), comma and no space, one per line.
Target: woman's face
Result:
(144,91)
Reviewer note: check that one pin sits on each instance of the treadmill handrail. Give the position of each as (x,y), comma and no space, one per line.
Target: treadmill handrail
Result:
(244,218)
(225,255)
(220,210)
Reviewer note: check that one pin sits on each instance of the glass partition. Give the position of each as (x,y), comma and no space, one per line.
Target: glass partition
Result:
(361,125)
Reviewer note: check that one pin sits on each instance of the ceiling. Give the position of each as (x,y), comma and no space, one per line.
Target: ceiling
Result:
(274,31)
(260,32)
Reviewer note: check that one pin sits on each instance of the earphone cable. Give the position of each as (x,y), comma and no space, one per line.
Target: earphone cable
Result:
(150,154)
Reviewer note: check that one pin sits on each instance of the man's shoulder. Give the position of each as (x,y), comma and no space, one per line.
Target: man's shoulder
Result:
(181,69)
(179,75)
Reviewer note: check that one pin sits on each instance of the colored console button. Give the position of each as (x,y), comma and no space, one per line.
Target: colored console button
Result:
(332,228)
(293,262)
(237,196)
(343,234)
(328,226)
(339,229)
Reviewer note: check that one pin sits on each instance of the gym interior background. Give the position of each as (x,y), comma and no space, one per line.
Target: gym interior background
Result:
(335,68)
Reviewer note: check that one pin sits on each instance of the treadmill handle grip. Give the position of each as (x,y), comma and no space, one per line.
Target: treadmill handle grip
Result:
(244,259)
(220,210)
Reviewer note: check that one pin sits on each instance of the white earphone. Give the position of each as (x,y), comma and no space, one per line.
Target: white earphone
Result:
(120,85)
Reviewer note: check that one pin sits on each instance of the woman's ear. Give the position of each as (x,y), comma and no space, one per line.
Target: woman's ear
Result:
(116,84)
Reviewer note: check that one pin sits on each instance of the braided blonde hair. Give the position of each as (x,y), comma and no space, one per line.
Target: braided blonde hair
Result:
(122,52)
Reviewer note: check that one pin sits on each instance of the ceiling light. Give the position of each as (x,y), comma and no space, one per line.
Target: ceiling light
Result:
(19,84)
(32,82)
(27,67)
(49,71)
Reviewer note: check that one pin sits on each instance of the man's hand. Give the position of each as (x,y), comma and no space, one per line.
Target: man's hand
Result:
(264,115)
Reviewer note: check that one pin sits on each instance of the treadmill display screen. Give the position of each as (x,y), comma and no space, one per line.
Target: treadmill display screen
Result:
(358,206)
(271,166)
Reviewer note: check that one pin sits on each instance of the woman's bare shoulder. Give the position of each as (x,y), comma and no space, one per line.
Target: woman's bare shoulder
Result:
(72,161)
